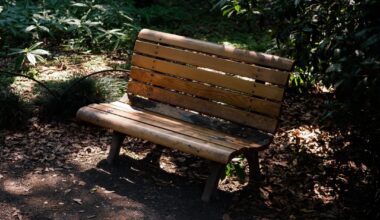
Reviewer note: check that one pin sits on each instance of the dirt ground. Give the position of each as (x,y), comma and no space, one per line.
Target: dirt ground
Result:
(58,171)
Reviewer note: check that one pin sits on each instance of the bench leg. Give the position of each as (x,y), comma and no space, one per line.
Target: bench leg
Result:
(254,167)
(117,140)
(212,181)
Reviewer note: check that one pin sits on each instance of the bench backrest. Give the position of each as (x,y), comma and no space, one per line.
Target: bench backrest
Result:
(240,86)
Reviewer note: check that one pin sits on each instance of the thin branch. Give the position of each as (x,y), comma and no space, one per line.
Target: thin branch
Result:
(56,95)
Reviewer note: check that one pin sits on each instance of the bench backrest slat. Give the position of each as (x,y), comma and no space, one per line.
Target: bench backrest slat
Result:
(221,50)
(207,61)
(207,92)
(237,85)
(203,106)
(205,75)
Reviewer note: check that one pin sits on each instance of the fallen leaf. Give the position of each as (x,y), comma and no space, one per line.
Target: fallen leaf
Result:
(79,201)
(108,191)
(81,183)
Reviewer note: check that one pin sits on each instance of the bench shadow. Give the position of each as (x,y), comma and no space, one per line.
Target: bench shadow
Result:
(171,195)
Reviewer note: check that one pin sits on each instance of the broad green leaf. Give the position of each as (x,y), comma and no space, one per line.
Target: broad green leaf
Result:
(44,28)
(17,51)
(31,58)
(77,4)
(30,28)
(34,46)
(40,52)
(100,7)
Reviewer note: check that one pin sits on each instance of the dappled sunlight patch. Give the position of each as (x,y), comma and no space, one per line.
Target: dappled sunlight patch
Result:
(325,193)
(47,180)
(15,187)
(312,139)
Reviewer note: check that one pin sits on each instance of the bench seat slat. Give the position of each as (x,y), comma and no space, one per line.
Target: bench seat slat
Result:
(246,118)
(221,50)
(202,60)
(208,92)
(250,134)
(202,75)
(186,140)
(194,131)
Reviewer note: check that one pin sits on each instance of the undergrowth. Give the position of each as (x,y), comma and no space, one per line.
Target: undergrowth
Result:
(71,95)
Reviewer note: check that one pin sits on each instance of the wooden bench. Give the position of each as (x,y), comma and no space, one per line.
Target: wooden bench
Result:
(205,99)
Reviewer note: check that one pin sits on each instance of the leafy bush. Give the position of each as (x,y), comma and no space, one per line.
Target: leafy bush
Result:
(68,96)
(333,42)
(31,54)
(94,25)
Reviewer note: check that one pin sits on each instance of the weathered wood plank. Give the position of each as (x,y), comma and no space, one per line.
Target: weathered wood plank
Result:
(156,135)
(194,131)
(175,126)
(228,127)
(208,92)
(187,57)
(226,81)
(246,118)
(221,50)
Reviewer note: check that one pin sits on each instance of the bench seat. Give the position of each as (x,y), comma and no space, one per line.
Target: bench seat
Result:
(200,141)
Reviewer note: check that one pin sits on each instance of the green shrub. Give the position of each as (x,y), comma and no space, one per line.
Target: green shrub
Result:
(80,25)
(72,94)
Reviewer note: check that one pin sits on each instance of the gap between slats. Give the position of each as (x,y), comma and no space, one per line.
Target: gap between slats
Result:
(207,92)
(226,81)
(242,117)
(202,60)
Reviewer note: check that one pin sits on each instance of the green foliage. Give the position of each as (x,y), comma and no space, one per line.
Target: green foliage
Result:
(32,54)
(95,25)
(333,42)
(13,110)
(68,96)
(112,26)
(236,168)
(301,80)
(336,43)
